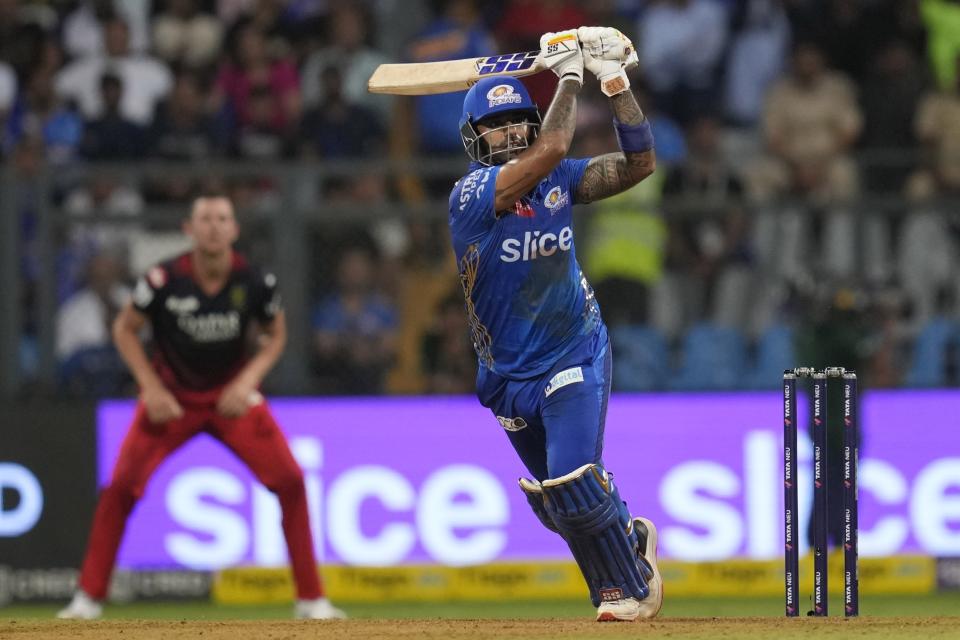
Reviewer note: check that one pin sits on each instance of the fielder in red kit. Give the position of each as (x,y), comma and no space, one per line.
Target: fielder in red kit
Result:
(201,306)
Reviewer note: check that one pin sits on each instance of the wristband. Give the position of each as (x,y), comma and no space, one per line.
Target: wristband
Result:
(635,138)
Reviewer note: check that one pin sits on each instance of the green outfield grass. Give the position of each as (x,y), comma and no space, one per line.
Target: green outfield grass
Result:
(945,604)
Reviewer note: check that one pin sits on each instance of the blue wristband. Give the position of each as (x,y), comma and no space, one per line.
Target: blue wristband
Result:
(634,138)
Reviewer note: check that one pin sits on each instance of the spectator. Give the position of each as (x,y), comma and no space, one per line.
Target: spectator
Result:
(758,51)
(713,243)
(810,121)
(847,40)
(146,81)
(88,361)
(524,21)
(354,328)
(39,113)
(25,28)
(259,138)
(430,124)
(27,162)
(890,96)
(112,136)
(681,43)
(83,28)
(456,32)
(183,130)
(338,128)
(348,52)
(624,252)
(250,69)
(89,235)
(184,35)
(418,273)
(942,19)
(671,143)
(937,126)
(449,361)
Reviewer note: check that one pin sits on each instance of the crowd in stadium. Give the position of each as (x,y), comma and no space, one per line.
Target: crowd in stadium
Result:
(805,200)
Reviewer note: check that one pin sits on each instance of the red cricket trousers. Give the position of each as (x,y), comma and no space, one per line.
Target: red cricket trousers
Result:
(255,438)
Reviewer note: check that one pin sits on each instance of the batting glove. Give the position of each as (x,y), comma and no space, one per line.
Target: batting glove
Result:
(561,54)
(608,54)
(613,79)
(607,43)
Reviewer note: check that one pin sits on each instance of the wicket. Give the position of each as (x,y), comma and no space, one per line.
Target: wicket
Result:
(818,417)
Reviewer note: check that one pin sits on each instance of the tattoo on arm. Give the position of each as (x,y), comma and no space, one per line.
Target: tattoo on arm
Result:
(626,109)
(612,173)
(562,115)
(557,129)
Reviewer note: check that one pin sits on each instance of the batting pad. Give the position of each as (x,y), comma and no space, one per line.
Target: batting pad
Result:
(584,507)
(534,493)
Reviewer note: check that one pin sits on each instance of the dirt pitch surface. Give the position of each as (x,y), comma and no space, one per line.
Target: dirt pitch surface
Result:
(712,628)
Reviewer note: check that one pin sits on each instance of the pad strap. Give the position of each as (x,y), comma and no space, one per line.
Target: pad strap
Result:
(583,506)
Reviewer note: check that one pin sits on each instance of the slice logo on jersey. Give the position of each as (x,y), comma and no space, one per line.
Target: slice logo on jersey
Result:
(536,244)
(512,424)
(562,379)
(555,199)
(524,209)
(182,305)
(502,94)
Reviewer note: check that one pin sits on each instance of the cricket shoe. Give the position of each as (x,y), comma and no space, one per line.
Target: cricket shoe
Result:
(82,607)
(318,609)
(629,609)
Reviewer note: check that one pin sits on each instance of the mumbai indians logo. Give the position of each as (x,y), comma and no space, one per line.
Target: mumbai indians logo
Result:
(506,63)
(503,94)
(555,199)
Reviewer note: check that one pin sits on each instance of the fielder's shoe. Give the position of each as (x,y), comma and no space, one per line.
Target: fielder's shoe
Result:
(319,609)
(82,607)
(629,609)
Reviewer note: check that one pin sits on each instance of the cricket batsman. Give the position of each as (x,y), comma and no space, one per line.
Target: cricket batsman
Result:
(543,351)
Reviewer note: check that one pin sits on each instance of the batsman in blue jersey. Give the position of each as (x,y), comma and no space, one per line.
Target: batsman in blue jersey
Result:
(544,356)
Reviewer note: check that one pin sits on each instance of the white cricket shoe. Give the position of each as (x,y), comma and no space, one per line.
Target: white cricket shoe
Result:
(629,609)
(622,610)
(651,605)
(319,609)
(82,607)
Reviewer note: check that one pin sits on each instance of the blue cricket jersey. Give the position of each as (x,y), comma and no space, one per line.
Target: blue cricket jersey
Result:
(528,302)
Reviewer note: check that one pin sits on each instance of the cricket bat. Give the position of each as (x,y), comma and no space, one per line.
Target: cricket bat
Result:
(425,78)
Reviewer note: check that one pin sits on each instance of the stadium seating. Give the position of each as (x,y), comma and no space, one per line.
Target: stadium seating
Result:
(714,358)
(641,359)
(931,352)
